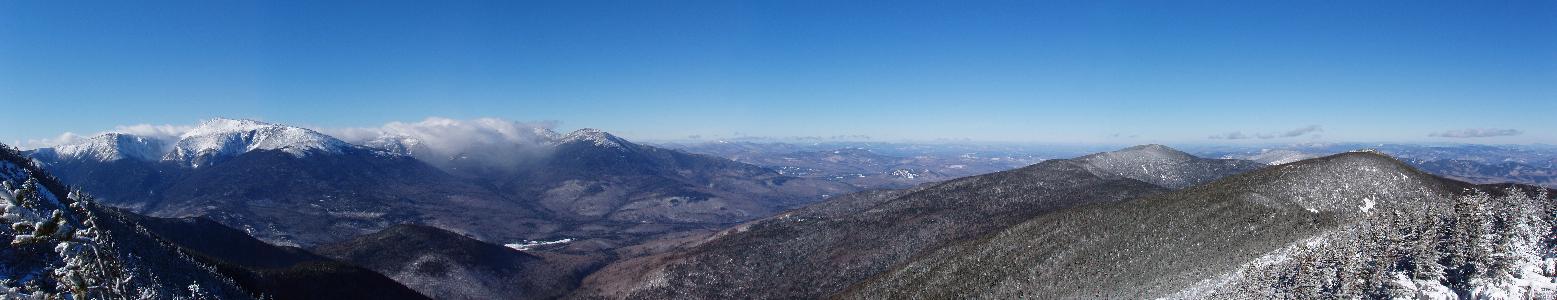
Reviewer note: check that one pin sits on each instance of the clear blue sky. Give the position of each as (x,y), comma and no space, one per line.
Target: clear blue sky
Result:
(1051,71)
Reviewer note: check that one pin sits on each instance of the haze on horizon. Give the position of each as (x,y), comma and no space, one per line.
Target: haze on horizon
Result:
(1021,71)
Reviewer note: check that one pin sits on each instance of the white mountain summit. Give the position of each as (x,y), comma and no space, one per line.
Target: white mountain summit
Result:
(218,138)
(597,137)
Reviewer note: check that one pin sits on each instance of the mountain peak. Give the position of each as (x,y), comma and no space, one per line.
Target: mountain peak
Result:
(221,137)
(1365,157)
(111,146)
(1156,150)
(1162,166)
(595,136)
(1350,182)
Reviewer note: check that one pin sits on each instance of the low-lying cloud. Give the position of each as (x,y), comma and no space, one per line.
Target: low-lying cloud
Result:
(439,140)
(165,133)
(1238,135)
(1476,133)
(62,139)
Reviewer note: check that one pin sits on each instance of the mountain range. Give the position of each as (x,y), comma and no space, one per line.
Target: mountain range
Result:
(300,214)
(296,186)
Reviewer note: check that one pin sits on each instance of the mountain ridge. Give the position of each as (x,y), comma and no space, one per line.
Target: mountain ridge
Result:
(828,245)
(1162,244)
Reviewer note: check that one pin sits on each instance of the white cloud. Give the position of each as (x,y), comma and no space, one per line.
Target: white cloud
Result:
(62,139)
(1302,131)
(438,139)
(1238,135)
(1230,136)
(1476,133)
(165,132)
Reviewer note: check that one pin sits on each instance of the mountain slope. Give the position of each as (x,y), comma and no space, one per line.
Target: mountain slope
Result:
(315,199)
(820,249)
(275,271)
(1160,245)
(451,266)
(100,252)
(593,175)
(59,245)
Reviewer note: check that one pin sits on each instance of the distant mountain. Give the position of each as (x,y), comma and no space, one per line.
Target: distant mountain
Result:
(1280,156)
(1164,166)
(1202,241)
(594,175)
(106,147)
(605,190)
(867,166)
(820,249)
(1537,173)
(315,199)
(1472,163)
(68,246)
(448,265)
(220,139)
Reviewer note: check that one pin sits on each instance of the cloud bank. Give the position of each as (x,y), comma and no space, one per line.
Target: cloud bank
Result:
(165,133)
(441,141)
(1238,135)
(1476,133)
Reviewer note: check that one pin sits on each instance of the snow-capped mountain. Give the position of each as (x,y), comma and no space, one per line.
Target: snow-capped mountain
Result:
(219,138)
(596,137)
(212,141)
(107,147)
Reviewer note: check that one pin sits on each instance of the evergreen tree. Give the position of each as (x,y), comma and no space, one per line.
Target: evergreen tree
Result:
(1502,258)
(1424,257)
(1308,280)
(1468,255)
(28,195)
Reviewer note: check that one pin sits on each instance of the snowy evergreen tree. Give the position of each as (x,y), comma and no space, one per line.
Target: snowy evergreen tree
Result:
(1424,256)
(1468,255)
(1309,279)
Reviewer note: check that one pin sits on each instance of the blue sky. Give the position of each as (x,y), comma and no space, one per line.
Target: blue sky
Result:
(1024,71)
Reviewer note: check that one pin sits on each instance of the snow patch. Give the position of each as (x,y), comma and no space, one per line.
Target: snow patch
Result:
(527,245)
